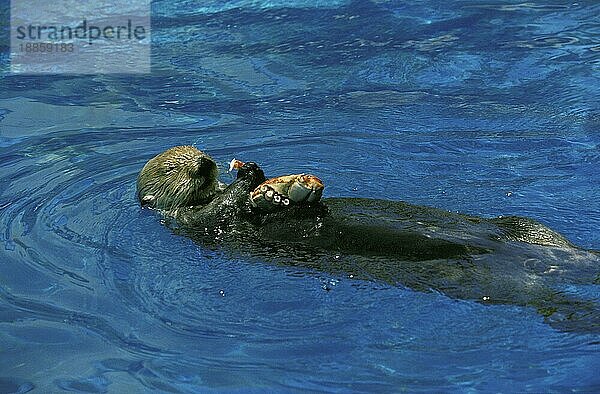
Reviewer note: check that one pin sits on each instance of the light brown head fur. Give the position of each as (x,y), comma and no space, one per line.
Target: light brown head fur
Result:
(182,176)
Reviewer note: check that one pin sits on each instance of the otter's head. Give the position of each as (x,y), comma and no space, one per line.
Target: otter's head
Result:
(179,177)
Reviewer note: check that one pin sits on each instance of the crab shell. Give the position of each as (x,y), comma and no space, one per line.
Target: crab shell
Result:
(287,190)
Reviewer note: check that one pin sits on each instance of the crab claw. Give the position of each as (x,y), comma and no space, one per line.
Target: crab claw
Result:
(287,190)
(307,188)
(235,164)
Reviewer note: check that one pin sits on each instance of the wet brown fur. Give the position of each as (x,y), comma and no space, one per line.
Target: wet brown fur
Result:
(173,179)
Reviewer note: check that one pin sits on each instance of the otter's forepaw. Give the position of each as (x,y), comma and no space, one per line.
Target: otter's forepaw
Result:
(284,191)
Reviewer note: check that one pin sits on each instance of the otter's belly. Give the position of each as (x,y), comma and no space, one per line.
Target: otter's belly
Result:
(420,247)
(398,229)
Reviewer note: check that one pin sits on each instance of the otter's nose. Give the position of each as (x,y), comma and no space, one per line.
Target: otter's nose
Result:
(205,165)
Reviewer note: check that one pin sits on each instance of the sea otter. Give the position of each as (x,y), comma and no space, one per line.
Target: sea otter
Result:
(510,260)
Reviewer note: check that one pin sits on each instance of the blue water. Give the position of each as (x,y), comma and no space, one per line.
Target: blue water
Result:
(482,107)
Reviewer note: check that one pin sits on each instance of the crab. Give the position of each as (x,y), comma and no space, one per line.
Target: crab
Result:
(284,191)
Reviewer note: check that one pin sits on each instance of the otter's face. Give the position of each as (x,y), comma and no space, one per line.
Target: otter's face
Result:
(179,177)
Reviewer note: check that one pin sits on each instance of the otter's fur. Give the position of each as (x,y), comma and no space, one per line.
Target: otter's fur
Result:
(502,260)
(182,176)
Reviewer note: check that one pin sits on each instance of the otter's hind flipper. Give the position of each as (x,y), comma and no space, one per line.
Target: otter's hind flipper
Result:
(516,228)
(566,312)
